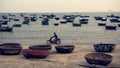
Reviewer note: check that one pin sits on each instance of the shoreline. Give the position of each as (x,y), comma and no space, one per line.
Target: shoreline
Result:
(56,60)
(78,44)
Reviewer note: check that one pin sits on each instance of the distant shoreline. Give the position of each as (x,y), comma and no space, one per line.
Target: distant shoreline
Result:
(58,12)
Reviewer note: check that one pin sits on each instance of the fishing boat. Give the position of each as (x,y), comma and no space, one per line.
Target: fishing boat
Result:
(6,29)
(101,24)
(10,48)
(64,48)
(41,47)
(56,24)
(31,53)
(33,18)
(57,18)
(76,24)
(102,47)
(26,20)
(5,22)
(45,21)
(17,25)
(63,21)
(98,59)
(115,20)
(110,27)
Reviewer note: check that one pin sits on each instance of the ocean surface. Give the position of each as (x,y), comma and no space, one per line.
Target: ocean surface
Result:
(35,33)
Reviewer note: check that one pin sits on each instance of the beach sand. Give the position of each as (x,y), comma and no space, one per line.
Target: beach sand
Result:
(56,60)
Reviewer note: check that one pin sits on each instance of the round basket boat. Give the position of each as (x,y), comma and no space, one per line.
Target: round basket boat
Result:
(64,48)
(98,59)
(10,48)
(30,53)
(104,47)
(41,47)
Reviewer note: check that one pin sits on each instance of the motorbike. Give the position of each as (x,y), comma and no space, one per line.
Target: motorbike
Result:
(53,41)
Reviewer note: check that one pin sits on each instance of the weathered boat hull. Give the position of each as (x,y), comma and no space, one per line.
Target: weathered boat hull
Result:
(41,47)
(10,49)
(30,53)
(104,47)
(65,48)
(98,58)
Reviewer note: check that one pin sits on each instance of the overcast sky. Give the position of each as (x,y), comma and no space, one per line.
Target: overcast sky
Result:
(59,5)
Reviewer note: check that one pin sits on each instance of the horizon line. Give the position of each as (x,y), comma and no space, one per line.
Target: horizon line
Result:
(63,12)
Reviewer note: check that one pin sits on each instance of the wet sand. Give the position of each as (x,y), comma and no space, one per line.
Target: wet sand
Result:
(56,60)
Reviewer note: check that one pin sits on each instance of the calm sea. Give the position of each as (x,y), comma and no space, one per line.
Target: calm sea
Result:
(35,33)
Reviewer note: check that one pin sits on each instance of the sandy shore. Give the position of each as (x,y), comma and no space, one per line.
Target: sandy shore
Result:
(55,60)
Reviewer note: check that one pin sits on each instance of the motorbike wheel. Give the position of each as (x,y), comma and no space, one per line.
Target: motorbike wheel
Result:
(58,42)
(48,42)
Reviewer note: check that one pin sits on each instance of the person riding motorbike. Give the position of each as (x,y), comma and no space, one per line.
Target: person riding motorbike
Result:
(54,37)
(54,40)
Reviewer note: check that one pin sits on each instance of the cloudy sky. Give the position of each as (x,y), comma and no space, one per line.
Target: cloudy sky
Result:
(59,5)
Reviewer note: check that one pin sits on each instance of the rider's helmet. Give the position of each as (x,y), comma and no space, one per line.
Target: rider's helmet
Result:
(54,33)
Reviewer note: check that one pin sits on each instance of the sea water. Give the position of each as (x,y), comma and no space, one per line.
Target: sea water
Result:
(35,33)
